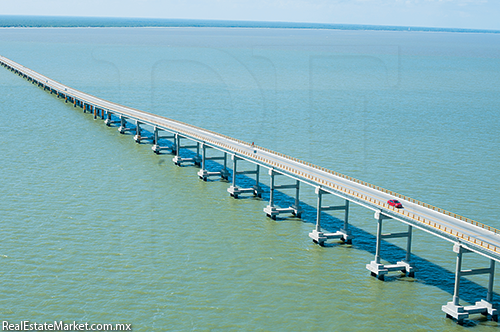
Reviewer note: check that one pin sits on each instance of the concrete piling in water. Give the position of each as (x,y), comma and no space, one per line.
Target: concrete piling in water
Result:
(271,210)
(379,270)
(236,191)
(318,235)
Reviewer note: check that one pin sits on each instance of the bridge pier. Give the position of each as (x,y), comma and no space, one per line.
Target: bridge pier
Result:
(320,237)
(138,137)
(156,139)
(378,269)
(235,191)
(109,121)
(98,113)
(178,160)
(203,173)
(271,210)
(458,312)
(123,125)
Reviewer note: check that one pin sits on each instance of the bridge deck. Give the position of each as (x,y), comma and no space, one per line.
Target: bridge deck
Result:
(476,236)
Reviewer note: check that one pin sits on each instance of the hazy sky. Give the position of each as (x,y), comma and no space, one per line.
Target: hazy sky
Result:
(479,14)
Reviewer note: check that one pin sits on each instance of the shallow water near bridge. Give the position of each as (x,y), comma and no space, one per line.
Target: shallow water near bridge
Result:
(98,229)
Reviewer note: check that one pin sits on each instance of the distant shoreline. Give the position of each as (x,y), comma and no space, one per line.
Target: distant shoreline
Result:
(14,21)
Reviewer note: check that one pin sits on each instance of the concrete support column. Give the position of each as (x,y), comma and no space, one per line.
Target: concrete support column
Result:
(156,142)
(203,156)
(233,182)
(175,147)
(319,192)
(155,136)
(178,160)
(271,210)
(204,174)
(489,296)
(235,191)
(224,172)
(137,137)
(108,120)
(123,125)
(379,239)
(156,147)
(197,158)
(408,244)
(177,144)
(346,217)
(317,234)
(458,275)
(271,188)
(378,269)
(456,311)
(257,181)
(297,201)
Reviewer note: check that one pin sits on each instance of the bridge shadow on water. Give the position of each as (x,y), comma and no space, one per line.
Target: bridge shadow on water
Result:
(428,272)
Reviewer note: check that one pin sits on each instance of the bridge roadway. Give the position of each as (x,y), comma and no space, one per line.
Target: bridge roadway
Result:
(467,233)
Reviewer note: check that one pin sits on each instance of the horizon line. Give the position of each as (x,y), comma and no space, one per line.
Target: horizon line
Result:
(17,21)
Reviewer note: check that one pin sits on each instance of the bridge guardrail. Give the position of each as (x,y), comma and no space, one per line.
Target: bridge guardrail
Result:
(392,193)
(387,206)
(383,204)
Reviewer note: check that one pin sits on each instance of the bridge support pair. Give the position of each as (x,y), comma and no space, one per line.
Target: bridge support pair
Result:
(378,269)
(456,311)
(123,125)
(138,138)
(109,121)
(320,237)
(204,174)
(157,148)
(234,190)
(271,210)
(97,112)
(77,102)
(178,160)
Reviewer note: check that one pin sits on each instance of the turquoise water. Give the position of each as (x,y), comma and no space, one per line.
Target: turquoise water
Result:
(98,229)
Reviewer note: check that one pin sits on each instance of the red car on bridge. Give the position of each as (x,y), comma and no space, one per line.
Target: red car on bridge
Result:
(395,203)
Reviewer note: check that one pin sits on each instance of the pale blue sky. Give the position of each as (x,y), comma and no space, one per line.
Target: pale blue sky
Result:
(476,14)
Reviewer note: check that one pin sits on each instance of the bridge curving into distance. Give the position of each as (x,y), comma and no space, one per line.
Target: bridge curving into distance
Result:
(467,235)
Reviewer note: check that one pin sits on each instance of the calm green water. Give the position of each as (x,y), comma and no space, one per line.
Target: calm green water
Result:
(98,229)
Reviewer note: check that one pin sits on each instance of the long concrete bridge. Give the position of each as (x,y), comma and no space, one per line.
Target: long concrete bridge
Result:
(467,235)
